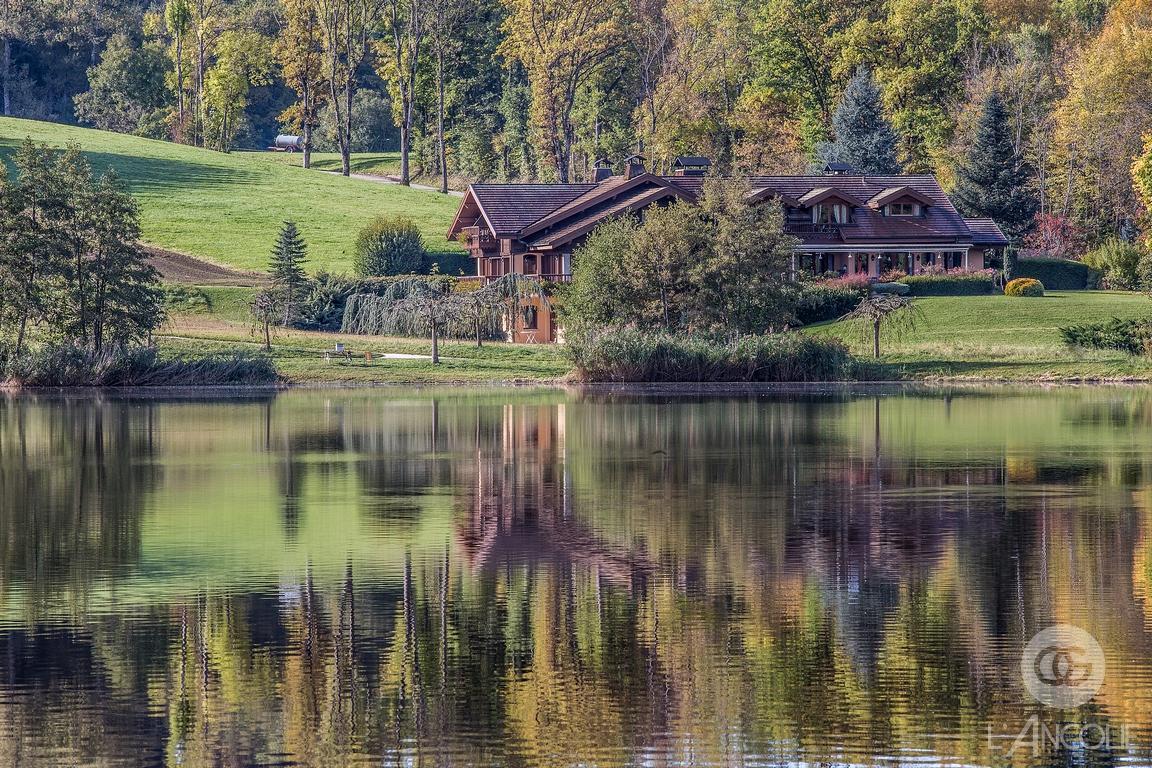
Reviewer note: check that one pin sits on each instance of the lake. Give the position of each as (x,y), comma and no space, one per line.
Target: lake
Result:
(554,577)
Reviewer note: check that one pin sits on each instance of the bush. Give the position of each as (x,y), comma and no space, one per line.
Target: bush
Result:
(1119,263)
(322,308)
(900,289)
(389,245)
(1059,274)
(818,302)
(186,299)
(1024,286)
(952,283)
(1131,336)
(68,365)
(635,355)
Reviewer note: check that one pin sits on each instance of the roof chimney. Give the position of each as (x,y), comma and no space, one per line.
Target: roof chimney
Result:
(602,171)
(691,166)
(634,166)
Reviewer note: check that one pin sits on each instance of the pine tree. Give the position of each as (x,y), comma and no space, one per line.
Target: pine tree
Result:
(287,267)
(864,138)
(991,179)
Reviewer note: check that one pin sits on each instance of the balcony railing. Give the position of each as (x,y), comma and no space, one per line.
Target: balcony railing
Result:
(546,278)
(809,228)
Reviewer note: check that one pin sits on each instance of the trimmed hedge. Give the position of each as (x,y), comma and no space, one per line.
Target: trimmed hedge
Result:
(952,283)
(827,300)
(1024,286)
(634,355)
(1059,274)
(1131,336)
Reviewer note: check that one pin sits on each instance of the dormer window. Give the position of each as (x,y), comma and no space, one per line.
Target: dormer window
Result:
(831,213)
(903,209)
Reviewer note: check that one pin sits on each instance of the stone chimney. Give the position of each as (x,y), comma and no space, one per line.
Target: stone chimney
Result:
(602,171)
(634,166)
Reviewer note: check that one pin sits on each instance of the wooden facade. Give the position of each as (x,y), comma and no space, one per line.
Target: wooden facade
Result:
(846,225)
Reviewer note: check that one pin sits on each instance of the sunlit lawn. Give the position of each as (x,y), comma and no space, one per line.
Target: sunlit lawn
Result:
(368,163)
(1005,337)
(227,208)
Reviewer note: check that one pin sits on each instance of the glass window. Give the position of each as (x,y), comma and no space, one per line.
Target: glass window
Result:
(902,209)
(530,264)
(531,318)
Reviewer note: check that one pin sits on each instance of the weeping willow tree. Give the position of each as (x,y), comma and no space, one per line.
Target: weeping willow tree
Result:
(512,292)
(432,306)
(879,312)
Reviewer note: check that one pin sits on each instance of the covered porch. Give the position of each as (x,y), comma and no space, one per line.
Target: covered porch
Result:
(876,262)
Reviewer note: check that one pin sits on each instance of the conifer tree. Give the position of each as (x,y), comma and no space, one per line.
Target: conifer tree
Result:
(864,138)
(991,179)
(287,266)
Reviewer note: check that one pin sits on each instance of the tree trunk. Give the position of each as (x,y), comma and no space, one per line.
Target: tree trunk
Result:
(267,335)
(200,55)
(5,75)
(440,146)
(306,105)
(346,141)
(405,135)
(876,339)
(435,346)
(180,86)
(479,334)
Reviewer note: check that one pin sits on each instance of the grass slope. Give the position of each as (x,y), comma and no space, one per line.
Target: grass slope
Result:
(368,163)
(227,208)
(1002,337)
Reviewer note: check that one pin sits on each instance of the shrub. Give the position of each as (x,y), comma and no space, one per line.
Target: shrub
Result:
(1024,286)
(322,308)
(1119,263)
(1131,336)
(186,299)
(978,283)
(900,289)
(389,245)
(69,365)
(893,276)
(635,355)
(1058,274)
(824,300)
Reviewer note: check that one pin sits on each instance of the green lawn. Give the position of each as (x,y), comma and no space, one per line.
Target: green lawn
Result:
(1001,337)
(227,208)
(368,163)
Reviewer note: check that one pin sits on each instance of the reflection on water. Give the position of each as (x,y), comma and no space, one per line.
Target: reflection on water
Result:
(551,578)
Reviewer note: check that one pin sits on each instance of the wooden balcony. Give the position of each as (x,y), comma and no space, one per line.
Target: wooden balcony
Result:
(546,278)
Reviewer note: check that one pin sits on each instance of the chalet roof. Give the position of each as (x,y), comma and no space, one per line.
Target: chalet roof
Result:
(985,232)
(629,200)
(551,215)
(893,194)
(820,194)
(511,207)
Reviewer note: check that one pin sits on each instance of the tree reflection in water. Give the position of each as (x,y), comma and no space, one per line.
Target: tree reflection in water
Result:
(543,577)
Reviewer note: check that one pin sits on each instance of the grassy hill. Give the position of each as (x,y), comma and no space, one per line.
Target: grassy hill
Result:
(1003,337)
(227,208)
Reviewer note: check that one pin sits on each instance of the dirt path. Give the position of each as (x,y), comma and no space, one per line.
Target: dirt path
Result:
(181,268)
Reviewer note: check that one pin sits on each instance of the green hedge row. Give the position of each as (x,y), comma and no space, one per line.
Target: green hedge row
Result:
(828,300)
(952,284)
(1131,336)
(634,355)
(1059,274)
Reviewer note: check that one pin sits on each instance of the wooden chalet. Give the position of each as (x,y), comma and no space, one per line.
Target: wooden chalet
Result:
(847,224)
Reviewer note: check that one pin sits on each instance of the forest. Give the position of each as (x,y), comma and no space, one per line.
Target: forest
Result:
(476,90)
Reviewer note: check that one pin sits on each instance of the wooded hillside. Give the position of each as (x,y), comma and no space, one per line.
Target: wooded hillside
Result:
(539,89)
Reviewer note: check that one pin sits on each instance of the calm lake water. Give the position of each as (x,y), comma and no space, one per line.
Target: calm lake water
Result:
(548,577)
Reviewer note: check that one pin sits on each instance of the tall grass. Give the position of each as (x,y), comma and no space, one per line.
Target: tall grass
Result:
(633,355)
(66,365)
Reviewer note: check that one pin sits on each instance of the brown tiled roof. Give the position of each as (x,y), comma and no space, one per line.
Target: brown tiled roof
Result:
(571,210)
(586,221)
(511,207)
(892,194)
(986,232)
